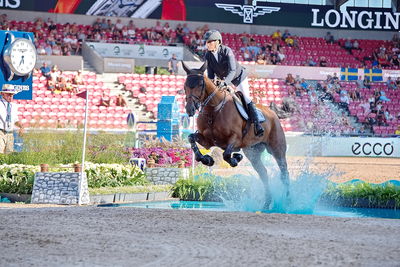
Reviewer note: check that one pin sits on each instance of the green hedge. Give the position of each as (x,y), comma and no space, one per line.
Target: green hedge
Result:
(216,188)
(18,179)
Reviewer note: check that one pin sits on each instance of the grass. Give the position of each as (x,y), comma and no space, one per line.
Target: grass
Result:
(65,147)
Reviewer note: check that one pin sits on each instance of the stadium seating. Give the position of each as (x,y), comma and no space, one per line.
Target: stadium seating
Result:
(64,110)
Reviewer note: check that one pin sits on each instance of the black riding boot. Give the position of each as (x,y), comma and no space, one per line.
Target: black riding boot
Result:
(258,129)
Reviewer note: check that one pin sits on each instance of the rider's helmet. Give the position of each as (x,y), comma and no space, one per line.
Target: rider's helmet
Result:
(212,35)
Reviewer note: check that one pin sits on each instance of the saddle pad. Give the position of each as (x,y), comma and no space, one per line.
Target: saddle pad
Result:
(244,114)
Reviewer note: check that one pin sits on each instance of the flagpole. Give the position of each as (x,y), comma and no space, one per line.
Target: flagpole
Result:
(84,144)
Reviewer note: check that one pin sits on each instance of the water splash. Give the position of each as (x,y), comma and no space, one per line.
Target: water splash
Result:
(306,187)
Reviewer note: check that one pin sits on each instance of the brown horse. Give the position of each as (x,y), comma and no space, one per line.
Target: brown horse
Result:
(220,124)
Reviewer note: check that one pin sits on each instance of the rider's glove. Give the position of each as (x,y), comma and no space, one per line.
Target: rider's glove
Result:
(222,84)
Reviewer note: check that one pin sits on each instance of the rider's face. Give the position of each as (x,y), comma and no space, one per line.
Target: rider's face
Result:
(212,45)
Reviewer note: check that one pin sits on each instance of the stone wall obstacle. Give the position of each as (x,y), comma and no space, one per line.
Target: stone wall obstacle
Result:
(60,188)
(160,176)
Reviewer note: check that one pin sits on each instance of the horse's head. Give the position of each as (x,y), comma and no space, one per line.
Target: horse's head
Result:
(195,88)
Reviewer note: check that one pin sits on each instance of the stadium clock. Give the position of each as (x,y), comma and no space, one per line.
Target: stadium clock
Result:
(19,56)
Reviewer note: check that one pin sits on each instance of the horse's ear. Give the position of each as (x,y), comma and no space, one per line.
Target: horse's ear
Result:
(185,67)
(204,67)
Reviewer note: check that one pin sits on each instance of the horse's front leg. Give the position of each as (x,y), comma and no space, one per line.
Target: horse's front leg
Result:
(235,158)
(199,138)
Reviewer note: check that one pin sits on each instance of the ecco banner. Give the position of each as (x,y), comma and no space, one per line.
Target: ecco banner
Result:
(362,147)
(137,51)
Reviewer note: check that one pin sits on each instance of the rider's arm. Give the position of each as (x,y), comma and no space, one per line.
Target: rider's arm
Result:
(210,71)
(231,66)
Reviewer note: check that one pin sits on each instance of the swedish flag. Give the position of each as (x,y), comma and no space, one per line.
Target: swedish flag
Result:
(374,75)
(348,74)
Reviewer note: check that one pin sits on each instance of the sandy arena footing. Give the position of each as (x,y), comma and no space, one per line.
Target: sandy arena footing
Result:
(93,236)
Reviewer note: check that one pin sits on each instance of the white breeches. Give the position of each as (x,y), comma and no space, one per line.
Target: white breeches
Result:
(245,89)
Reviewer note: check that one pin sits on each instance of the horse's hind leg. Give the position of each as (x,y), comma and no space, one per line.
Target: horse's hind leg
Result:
(199,138)
(254,155)
(279,153)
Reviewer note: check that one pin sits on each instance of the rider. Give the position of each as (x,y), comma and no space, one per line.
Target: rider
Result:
(221,62)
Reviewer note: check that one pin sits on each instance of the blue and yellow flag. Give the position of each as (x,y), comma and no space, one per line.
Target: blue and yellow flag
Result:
(374,75)
(348,74)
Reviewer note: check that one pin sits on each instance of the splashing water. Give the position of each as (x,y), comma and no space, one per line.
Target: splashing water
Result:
(306,187)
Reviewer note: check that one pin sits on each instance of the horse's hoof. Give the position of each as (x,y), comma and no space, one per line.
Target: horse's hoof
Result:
(207,160)
(238,156)
(233,162)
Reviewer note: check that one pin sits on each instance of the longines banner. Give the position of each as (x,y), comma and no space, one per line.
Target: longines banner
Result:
(362,147)
(137,51)
(258,12)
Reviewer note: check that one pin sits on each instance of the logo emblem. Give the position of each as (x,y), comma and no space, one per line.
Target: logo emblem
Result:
(248,12)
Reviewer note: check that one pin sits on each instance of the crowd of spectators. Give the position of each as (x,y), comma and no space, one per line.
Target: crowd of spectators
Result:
(57,82)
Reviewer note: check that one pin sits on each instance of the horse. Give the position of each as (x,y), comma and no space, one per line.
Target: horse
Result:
(220,124)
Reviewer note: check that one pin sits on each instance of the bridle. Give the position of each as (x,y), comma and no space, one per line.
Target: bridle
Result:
(199,105)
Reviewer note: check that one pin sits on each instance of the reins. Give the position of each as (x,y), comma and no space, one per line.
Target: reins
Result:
(204,103)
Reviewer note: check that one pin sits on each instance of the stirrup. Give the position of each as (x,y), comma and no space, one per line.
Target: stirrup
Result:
(258,129)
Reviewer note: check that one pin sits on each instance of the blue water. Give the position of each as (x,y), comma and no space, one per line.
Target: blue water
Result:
(220,206)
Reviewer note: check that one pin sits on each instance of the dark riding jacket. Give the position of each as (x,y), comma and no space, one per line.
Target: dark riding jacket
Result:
(227,68)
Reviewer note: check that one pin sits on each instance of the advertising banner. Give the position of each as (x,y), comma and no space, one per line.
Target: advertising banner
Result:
(137,51)
(63,62)
(257,12)
(362,147)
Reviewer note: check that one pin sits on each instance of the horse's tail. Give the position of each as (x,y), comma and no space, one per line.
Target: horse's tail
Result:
(289,106)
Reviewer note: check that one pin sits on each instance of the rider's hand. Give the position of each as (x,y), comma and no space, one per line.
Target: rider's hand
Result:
(222,84)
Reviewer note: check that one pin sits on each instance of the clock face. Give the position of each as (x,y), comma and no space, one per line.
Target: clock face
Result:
(22,56)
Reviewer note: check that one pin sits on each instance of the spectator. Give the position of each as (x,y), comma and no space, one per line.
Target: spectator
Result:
(261,59)
(310,62)
(119,25)
(173,65)
(286,35)
(335,77)
(45,70)
(329,38)
(388,116)
(380,118)
(394,61)
(356,45)
(355,95)
(290,80)
(120,101)
(304,85)
(397,132)
(280,56)
(366,107)
(344,101)
(323,62)
(367,83)
(105,100)
(383,97)
(371,119)
(289,41)
(40,50)
(276,35)
(360,82)
(348,45)
(9,119)
(78,79)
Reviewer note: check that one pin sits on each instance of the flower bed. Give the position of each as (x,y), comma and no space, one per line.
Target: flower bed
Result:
(165,157)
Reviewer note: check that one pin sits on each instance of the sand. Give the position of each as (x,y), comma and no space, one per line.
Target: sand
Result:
(373,170)
(94,236)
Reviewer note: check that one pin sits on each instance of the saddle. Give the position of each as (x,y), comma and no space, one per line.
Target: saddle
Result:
(241,107)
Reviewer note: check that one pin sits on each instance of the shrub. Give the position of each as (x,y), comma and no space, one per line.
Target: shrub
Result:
(17,178)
